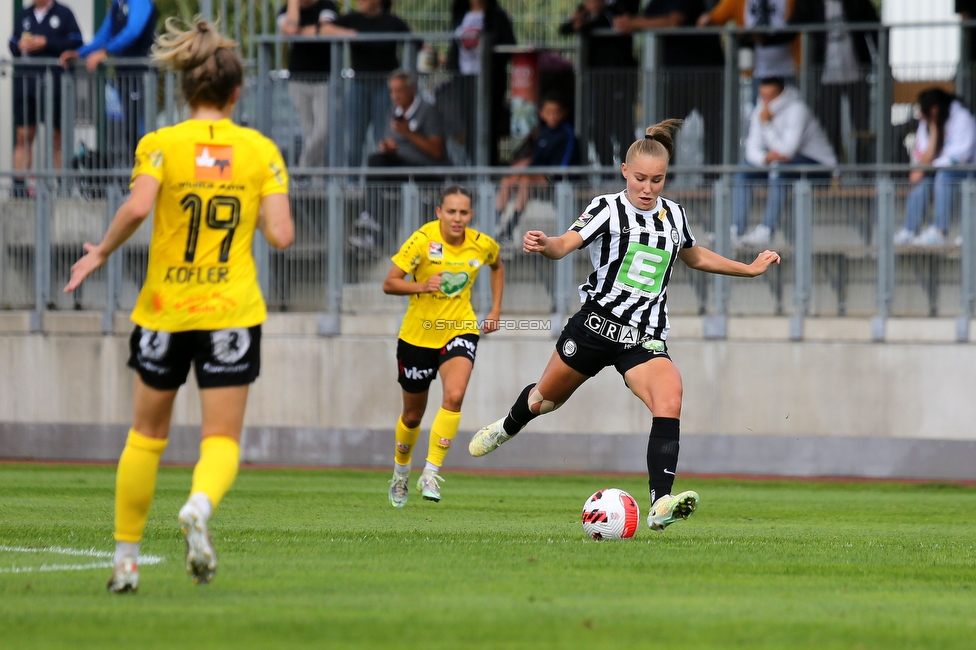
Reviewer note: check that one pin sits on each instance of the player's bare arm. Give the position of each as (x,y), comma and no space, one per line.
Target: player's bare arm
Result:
(396,283)
(703,259)
(555,248)
(127,220)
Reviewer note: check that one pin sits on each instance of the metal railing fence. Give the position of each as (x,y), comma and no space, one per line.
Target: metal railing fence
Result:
(106,112)
(836,241)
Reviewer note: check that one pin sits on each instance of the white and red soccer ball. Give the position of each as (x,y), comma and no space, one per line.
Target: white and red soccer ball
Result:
(611,514)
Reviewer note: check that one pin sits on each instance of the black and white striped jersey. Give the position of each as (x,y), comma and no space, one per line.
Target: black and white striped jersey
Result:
(633,252)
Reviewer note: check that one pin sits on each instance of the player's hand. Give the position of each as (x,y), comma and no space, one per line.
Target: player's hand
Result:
(433,283)
(81,269)
(763,261)
(67,57)
(95,59)
(490,323)
(915,176)
(535,241)
(704,20)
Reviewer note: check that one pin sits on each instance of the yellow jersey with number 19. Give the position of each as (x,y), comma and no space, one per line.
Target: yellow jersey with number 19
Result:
(212,175)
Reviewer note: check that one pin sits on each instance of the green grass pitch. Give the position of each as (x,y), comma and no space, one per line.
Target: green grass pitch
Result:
(319,559)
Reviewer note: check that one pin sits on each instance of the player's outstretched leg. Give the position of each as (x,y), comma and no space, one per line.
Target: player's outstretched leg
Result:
(201,558)
(489,438)
(125,576)
(669,509)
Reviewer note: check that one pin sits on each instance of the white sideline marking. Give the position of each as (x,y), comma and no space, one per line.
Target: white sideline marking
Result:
(144,560)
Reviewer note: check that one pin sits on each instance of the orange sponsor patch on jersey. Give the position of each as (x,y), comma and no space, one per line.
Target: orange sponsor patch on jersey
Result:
(213,162)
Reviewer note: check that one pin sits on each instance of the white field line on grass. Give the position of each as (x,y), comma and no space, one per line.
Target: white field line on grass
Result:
(144,560)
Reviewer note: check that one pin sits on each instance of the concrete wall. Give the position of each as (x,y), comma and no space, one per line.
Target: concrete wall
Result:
(772,407)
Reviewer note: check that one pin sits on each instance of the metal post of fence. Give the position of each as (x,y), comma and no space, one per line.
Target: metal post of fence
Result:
(335,96)
(409,62)
(169,99)
(563,272)
(67,119)
(583,89)
(410,209)
(486,222)
(730,102)
(47,159)
(150,82)
(329,323)
(42,250)
(482,156)
(882,99)
(967,285)
(886,255)
(806,73)
(716,324)
(263,101)
(206,9)
(650,82)
(802,255)
(113,267)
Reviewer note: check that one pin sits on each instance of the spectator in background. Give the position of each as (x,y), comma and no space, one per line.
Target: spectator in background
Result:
(128,31)
(846,58)
(416,132)
(946,137)
(782,132)
(774,53)
(555,146)
(416,140)
(610,87)
(45,29)
(308,74)
(692,64)
(475,23)
(369,100)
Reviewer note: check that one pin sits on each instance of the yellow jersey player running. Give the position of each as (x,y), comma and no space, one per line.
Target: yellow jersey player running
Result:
(439,331)
(212,183)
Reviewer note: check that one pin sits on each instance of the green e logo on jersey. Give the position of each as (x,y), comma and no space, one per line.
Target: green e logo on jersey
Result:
(643,268)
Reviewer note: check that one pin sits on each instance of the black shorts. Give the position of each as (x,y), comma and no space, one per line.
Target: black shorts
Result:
(590,342)
(417,366)
(227,357)
(29,101)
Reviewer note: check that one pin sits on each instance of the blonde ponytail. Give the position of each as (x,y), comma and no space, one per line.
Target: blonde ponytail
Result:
(211,69)
(658,141)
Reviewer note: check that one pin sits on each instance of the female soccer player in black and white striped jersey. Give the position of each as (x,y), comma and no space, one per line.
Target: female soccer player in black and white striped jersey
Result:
(633,237)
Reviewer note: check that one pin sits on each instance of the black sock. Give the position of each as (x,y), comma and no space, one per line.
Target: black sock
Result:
(662,456)
(520,415)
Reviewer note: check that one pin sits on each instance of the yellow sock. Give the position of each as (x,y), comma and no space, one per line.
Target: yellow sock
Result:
(405,440)
(135,483)
(217,468)
(442,432)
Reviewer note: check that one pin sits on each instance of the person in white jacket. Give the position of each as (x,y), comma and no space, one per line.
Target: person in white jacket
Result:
(782,131)
(946,137)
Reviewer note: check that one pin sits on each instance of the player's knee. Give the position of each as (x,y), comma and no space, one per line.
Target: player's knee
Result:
(540,405)
(411,419)
(452,399)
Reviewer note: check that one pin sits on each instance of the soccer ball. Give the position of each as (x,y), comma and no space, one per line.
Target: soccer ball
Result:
(611,514)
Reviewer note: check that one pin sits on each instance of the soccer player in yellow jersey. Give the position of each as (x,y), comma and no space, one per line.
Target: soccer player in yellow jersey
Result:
(439,331)
(212,183)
